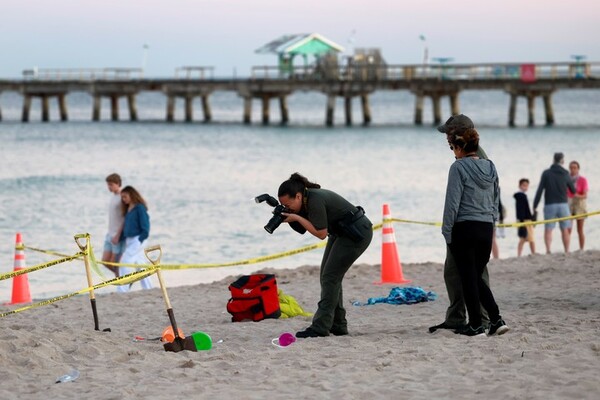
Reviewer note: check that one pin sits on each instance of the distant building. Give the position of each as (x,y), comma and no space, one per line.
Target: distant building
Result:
(367,64)
(287,47)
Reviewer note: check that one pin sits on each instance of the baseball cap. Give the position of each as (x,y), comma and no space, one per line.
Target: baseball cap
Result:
(459,121)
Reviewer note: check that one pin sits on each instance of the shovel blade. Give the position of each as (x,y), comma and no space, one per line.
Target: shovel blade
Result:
(180,344)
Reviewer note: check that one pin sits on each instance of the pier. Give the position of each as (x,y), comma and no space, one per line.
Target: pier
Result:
(266,83)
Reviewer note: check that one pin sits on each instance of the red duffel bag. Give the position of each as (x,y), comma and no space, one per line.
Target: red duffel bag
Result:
(254,297)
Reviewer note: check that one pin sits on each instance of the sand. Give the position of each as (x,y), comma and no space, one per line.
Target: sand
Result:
(551,303)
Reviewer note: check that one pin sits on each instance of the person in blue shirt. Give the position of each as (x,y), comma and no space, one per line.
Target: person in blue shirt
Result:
(136,230)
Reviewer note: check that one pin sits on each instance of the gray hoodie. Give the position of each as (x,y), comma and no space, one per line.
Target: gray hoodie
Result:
(472,194)
(555,181)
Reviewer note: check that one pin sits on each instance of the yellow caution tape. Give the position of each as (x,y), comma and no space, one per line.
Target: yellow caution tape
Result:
(39,266)
(94,262)
(407,221)
(519,224)
(247,261)
(52,253)
(149,269)
(125,279)
(256,260)
(513,225)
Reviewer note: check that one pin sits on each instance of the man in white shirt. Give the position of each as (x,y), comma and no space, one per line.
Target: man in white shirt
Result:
(113,246)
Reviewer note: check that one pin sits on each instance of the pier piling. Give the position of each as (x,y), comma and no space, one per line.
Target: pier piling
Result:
(454,107)
(26,108)
(348,109)
(366,109)
(265,109)
(133,116)
(530,109)
(170,108)
(62,107)
(189,109)
(512,110)
(419,109)
(437,109)
(45,108)
(548,108)
(96,108)
(247,110)
(114,107)
(283,107)
(531,95)
(329,113)
(206,108)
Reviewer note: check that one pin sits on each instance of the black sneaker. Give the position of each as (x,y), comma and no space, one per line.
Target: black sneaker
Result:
(445,325)
(308,333)
(498,328)
(470,331)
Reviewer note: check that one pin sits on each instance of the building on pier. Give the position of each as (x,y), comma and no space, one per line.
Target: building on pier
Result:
(287,47)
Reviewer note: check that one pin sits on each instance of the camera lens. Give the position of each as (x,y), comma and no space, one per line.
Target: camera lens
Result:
(274,223)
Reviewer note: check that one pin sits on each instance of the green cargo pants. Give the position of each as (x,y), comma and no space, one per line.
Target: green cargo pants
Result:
(456,315)
(340,253)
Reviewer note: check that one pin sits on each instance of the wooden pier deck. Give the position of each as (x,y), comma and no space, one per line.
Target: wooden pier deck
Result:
(267,83)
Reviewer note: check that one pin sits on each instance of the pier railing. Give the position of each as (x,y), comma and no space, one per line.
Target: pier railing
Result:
(195,72)
(496,71)
(82,74)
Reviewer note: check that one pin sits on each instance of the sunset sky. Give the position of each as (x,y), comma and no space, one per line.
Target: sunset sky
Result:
(225,33)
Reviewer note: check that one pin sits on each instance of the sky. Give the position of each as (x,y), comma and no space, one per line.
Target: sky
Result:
(224,34)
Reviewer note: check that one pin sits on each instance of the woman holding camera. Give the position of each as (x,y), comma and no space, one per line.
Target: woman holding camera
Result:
(470,210)
(324,213)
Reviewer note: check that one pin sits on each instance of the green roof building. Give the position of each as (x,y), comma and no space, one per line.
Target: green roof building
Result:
(307,44)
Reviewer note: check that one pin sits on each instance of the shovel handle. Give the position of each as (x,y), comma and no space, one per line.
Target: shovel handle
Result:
(85,249)
(88,273)
(156,261)
(153,260)
(80,236)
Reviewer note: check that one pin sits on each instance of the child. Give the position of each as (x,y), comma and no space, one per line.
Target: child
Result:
(113,246)
(524,215)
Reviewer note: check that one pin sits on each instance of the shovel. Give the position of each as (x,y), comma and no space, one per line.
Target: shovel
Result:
(178,343)
(85,248)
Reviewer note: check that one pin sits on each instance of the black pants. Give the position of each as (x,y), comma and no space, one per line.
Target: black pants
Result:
(471,247)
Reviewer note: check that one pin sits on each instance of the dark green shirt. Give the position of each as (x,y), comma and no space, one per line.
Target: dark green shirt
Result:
(324,207)
(481,154)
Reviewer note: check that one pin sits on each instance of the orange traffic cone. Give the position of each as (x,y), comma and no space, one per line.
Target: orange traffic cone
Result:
(20,289)
(391,269)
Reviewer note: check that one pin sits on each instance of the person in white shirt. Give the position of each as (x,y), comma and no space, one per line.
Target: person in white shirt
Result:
(113,245)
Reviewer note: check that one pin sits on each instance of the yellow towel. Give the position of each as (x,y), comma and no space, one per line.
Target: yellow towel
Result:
(289,306)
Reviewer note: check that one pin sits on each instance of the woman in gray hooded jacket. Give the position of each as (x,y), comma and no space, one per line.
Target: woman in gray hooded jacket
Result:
(470,210)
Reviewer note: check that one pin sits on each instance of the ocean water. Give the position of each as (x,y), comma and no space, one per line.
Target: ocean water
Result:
(200,179)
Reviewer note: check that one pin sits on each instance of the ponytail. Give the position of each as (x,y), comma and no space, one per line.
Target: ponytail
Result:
(296,184)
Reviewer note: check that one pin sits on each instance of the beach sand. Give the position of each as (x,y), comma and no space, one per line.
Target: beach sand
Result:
(550,302)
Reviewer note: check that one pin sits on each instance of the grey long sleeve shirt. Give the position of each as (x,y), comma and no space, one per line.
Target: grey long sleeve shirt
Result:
(472,194)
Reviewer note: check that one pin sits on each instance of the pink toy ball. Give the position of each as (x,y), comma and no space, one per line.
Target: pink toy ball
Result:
(284,340)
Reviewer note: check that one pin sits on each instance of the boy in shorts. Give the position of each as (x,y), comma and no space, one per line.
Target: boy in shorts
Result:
(524,215)
(113,246)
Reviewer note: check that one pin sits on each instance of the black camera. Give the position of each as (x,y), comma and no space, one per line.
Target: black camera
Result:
(277,218)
